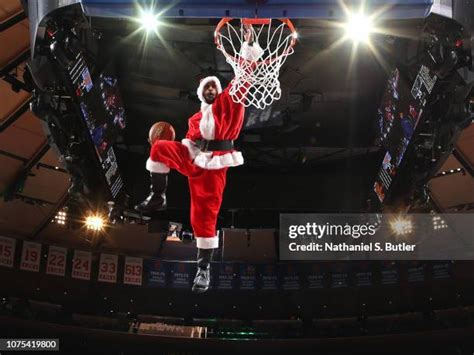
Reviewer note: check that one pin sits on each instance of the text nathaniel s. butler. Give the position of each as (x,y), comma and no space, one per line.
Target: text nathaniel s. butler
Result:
(340,238)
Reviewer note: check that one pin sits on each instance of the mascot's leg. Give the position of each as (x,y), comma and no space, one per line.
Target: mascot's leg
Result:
(206,198)
(156,200)
(203,274)
(163,156)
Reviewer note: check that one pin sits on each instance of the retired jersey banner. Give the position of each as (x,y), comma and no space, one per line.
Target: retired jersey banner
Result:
(7,251)
(81,265)
(30,256)
(156,271)
(248,277)
(108,268)
(269,277)
(225,276)
(364,276)
(56,264)
(133,271)
(182,274)
(316,276)
(441,270)
(415,272)
(289,277)
(340,276)
(389,273)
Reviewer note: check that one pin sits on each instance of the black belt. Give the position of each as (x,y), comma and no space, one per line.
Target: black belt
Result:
(213,145)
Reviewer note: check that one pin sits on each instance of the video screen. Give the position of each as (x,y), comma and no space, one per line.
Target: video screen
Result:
(111,99)
(102,109)
(398,117)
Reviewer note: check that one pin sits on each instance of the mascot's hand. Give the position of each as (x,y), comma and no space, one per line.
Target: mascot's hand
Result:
(248,33)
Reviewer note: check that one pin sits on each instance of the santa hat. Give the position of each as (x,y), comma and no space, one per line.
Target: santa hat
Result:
(203,83)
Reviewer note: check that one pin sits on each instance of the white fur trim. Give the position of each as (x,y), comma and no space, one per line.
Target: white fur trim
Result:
(157,167)
(206,160)
(204,82)
(251,52)
(207,125)
(207,243)
(192,148)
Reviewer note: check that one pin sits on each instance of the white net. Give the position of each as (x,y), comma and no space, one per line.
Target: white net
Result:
(257,65)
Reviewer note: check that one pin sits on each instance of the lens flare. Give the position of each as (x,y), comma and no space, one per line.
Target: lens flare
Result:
(401,226)
(359,27)
(95,222)
(149,21)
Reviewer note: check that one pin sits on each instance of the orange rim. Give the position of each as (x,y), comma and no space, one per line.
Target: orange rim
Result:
(255,21)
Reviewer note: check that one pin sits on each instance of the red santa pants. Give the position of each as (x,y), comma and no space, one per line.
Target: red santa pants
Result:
(206,188)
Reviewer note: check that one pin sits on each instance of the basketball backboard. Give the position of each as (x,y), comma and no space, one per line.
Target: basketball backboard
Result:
(328,9)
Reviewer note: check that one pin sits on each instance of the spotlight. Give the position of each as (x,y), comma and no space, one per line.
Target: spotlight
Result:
(359,27)
(149,21)
(439,223)
(401,226)
(60,217)
(95,222)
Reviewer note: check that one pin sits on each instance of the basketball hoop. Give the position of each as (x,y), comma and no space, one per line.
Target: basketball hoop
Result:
(256,78)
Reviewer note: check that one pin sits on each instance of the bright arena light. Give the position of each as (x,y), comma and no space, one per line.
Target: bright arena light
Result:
(401,226)
(149,21)
(60,218)
(95,223)
(438,223)
(359,27)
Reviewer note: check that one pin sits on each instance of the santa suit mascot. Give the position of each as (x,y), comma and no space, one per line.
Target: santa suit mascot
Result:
(204,157)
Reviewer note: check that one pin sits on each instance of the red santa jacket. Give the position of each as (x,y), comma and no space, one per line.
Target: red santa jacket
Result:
(222,120)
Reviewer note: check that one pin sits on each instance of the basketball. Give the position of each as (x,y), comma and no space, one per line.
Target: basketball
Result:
(161,131)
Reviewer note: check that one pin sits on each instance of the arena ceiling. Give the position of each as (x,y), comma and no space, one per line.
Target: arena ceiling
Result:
(32,183)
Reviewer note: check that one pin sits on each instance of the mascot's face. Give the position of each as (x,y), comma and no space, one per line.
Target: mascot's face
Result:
(209,92)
